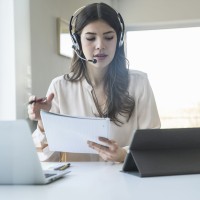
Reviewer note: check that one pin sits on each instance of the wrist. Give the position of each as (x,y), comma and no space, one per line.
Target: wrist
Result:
(40,126)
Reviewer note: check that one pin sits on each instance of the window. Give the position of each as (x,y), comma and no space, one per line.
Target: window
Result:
(171,59)
(64,38)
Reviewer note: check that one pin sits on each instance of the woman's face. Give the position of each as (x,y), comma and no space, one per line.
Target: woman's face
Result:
(98,41)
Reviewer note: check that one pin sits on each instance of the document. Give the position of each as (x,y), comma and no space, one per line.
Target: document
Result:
(70,133)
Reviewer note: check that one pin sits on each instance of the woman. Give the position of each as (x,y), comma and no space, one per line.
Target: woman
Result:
(99,84)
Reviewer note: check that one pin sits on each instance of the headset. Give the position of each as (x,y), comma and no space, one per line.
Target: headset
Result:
(75,37)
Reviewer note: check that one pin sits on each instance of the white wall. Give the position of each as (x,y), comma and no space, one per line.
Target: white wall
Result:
(7,61)
(22,55)
(14,58)
(152,12)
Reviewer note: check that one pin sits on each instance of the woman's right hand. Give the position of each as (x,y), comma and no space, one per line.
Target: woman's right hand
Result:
(34,108)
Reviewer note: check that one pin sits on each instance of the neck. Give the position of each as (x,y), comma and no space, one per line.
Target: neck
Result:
(96,77)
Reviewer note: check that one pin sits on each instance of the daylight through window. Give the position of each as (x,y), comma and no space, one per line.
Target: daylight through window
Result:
(171,59)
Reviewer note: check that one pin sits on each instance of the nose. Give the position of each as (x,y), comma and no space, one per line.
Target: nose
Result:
(100,44)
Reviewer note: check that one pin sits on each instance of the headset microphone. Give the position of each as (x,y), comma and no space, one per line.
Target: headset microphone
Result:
(93,61)
(90,60)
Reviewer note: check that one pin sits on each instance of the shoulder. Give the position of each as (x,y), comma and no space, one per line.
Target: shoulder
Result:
(139,82)
(136,76)
(63,82)
(58,79)
(58,82)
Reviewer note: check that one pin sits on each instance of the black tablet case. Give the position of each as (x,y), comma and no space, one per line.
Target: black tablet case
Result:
(161,152)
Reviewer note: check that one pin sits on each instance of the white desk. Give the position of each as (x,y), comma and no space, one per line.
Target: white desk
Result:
(95,181)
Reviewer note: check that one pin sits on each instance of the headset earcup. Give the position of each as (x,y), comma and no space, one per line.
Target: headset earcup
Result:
(75,39)
(121,21)
(121,40)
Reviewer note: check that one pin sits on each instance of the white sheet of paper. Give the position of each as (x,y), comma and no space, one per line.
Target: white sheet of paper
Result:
(70,134)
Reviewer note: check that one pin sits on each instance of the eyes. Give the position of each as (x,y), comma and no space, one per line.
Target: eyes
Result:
(94,38)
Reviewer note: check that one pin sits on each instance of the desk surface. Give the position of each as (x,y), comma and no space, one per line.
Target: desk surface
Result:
(99,180)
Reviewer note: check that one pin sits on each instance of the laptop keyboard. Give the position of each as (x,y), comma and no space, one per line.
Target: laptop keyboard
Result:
(49,175)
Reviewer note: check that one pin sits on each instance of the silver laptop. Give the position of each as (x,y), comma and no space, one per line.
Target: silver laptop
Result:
(19,162)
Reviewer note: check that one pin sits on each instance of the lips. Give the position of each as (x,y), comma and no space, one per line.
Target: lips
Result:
(100,56)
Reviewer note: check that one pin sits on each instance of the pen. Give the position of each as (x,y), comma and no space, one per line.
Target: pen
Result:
(63,167)
(41,100)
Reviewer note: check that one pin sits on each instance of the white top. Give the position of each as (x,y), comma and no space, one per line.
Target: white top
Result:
(75,98)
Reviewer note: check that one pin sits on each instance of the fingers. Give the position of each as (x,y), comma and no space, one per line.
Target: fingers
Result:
(31,113)
(97,147)
(101,149)
(109,151)
(50,98)
(32,98)
(110,143)
(35,107)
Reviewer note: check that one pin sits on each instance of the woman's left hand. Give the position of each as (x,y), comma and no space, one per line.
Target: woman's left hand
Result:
(110,151)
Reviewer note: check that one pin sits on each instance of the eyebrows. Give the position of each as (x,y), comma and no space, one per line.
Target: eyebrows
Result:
(93,33)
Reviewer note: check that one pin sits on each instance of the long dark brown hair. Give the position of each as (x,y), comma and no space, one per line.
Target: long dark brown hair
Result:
(116,80)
